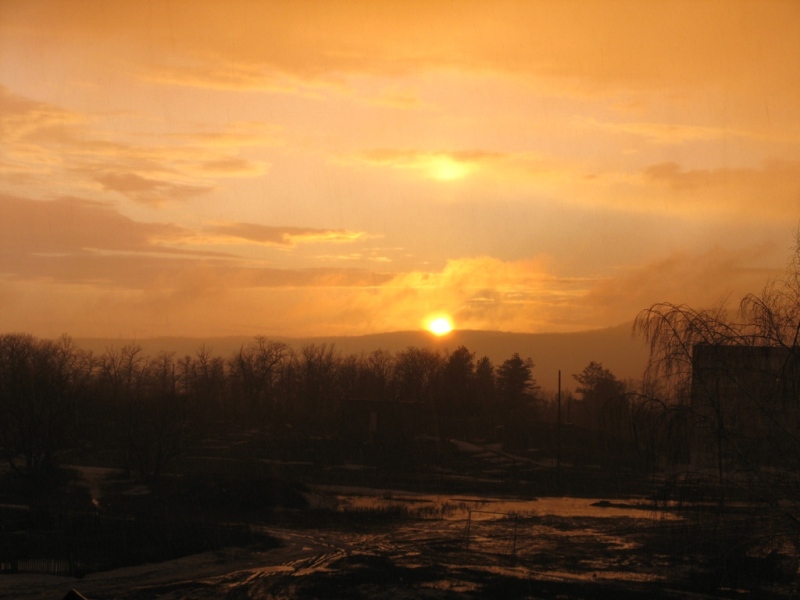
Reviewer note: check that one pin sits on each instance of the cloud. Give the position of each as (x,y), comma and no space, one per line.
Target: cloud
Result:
(87,259)
(531,295)
(701,280)
(236,135)
(517,176)
(219,76)
(232,75)
(73,225)
(233,167)
(771,189)
(22,117)
(149,191)
(89,243)
(665,133)
(371,255)
(81,241)
(399,98)
(441,166)
(587,44)
(551,121)
(672,174)
(27,127)
(44,141)
(278,236)
(479,293)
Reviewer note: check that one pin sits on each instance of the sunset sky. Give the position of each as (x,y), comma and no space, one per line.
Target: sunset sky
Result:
(343,168)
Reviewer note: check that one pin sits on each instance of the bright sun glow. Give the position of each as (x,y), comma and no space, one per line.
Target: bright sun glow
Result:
(445,168)
(440,326)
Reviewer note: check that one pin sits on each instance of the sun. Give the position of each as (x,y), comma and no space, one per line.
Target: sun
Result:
(440,326)
(445,168)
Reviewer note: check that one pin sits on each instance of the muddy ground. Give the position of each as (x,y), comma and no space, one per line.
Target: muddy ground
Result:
(453,536)
(555,558)
(389,545)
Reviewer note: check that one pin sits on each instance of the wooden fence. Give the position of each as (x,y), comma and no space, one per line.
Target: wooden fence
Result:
(46,566)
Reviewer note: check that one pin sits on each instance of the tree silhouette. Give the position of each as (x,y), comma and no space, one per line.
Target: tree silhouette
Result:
(416,373)
(599,392)
(515,381)
(253,372)
(41,382)
(485,387)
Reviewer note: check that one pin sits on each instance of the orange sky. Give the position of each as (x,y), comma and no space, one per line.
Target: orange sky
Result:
(340,168)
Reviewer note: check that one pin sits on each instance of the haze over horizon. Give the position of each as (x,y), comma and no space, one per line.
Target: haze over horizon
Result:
(311,168)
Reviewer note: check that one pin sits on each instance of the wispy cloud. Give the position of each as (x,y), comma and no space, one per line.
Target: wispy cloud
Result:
(237,134)
(236,233)
(626,45)
(148,191)
(438,165)
(43,140)
(80,241)
(731,189)
(479,293)
(487,293)
(26,127)
(701,279)
(233,167)
(72,225)
(664,133)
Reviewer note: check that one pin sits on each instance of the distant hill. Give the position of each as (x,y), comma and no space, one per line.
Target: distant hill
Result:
(571,352)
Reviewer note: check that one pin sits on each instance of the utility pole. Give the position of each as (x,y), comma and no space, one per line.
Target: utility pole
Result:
(558,433)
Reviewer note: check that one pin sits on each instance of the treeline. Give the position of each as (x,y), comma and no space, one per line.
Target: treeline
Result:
(139,412)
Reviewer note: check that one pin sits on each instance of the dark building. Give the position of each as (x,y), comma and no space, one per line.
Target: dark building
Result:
(744,403)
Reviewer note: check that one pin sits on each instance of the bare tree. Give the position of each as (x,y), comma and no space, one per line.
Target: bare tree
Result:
(317,371)
(416,372)
(157,418)
(41,382)
(254,370)
(203,380)
(144,402)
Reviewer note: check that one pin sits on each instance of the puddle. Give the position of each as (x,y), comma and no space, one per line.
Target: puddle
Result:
(488,508)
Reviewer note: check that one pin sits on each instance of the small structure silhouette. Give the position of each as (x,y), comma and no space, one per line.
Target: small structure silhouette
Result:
(750,393)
